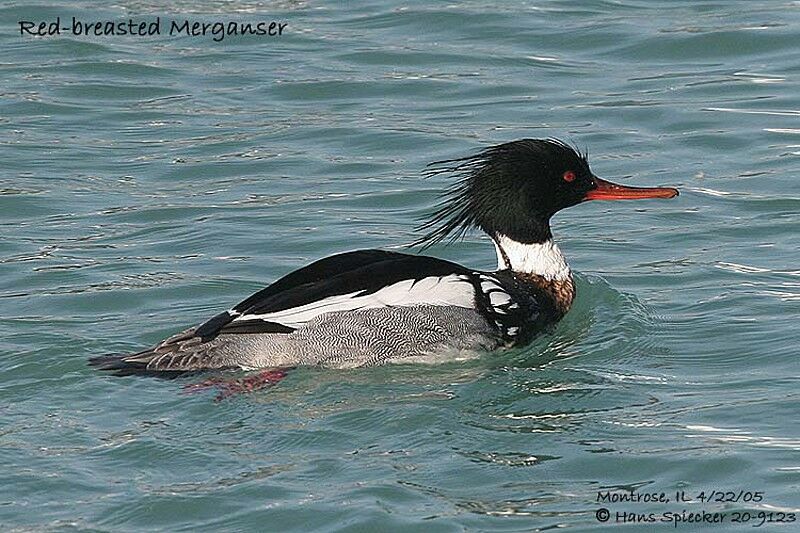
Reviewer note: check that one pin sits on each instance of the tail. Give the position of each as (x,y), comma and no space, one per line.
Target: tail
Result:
(181,354)
(132,365)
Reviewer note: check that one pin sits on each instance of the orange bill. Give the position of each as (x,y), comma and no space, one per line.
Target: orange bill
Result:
(612,191)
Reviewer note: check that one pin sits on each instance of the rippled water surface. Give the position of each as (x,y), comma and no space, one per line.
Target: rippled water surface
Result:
(149,182)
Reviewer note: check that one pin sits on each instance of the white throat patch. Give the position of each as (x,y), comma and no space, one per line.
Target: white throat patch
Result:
(543,259)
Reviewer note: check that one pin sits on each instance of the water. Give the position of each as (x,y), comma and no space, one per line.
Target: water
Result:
(149,182)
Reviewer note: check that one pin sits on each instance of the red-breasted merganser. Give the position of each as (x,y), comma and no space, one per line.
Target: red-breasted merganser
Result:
(370,307)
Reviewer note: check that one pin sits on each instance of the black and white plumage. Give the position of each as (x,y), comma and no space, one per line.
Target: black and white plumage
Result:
(371,307)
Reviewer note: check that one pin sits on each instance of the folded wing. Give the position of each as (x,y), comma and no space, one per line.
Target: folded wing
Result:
(364,279)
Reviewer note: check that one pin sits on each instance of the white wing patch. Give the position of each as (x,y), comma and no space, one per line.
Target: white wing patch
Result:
(452,290)
(499,299)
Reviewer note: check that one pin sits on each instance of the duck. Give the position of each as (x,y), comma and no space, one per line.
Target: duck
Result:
(373,307)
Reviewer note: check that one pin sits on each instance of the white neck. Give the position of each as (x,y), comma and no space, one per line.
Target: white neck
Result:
(543,259)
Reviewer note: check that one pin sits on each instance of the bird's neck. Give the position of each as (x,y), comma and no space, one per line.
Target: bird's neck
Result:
(539,266)
(543,259)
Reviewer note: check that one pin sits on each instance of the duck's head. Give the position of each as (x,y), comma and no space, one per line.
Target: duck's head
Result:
(513,189)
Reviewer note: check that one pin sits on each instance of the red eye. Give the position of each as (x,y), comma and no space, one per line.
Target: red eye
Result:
(569,176)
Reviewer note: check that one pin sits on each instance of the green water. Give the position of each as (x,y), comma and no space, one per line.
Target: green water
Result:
(146,183)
